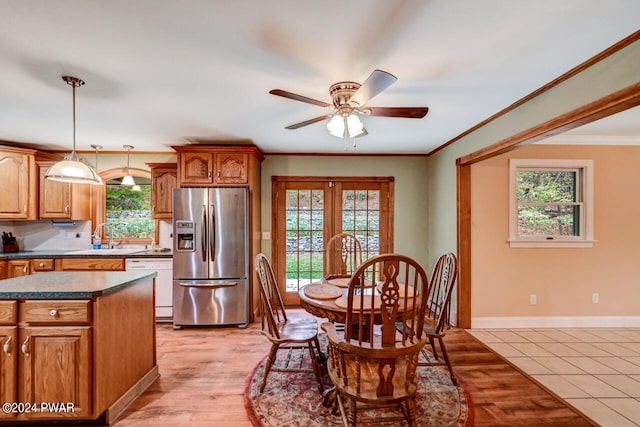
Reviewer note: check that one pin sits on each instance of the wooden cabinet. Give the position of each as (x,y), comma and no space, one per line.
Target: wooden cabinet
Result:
(40,265)
(62,200)
(18,267)
(3,269)
(91,357)
(164,178)
(8,354)
(18,192)
(92,264)
(215,165)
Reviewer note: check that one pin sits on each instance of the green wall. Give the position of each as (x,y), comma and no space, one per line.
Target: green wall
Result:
(409,172)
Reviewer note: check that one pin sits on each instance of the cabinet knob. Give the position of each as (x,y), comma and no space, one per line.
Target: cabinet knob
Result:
(41,264)
(66,209)
(53,312)
(7,346)
(209,174)
(24,208)
(25,346)
(218,174)
(24,269)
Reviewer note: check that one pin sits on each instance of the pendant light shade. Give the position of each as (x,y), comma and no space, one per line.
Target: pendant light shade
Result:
(128,179)
(72,168)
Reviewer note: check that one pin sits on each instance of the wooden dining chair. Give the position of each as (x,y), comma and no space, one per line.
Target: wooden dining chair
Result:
(283,333)
(343,254)
(371,363)
(437,319)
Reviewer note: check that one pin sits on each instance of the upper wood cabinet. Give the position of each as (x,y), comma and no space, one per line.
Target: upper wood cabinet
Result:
(18,192)
(63,200)
(212,165)
(164,178)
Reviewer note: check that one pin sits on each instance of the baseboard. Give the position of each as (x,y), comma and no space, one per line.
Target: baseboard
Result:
(555,322)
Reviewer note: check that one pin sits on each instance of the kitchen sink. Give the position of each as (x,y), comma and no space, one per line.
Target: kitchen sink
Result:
(117,251)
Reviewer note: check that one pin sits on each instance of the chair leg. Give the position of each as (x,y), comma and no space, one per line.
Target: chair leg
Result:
(433,347)
(411,412)
(345,421)
(352,415)
(314,362)
(322,356)
(446,360)
(270,359)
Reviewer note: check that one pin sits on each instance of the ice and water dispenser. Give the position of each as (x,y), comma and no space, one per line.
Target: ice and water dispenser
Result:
(185,231)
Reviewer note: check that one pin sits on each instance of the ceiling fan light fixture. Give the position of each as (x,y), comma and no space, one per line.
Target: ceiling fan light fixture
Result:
(354,126)
(336,126)
(72,168)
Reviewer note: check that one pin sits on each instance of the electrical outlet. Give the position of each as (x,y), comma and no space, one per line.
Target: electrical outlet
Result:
(595,298)
(533,299)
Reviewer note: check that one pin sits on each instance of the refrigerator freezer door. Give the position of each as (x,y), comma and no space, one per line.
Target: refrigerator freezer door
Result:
(228,232)
(210,302)
(190,259)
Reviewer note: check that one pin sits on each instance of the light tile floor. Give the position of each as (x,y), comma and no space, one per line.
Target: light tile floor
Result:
(597,370)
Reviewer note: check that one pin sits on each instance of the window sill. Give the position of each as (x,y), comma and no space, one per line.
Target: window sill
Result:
(551,243)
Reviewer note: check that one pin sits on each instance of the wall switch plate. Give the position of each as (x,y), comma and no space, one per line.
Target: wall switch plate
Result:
(533,299)
(266,235)
(595,298)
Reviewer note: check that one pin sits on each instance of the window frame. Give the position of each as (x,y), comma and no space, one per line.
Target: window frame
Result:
(584,169)
(100,205)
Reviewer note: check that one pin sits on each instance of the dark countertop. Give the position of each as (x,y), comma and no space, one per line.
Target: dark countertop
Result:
(71,284)
(65,254)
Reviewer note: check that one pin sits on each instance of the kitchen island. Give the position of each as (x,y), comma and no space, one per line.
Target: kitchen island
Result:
(76,345)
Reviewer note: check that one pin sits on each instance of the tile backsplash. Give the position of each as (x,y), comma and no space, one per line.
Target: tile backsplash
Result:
(42,235)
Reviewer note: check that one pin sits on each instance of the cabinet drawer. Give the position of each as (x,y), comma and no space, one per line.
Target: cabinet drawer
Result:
(55,311)
(8,312)
(90,264)
(43,265)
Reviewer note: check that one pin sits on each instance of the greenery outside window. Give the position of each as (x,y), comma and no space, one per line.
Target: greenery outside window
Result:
(126,210)
(550,203)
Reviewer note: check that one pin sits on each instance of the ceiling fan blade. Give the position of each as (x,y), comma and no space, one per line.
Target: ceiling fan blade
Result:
(377,82)
(309,122)
(297,97)
(406,112)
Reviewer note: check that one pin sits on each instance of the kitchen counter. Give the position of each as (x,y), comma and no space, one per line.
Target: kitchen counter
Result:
(65,285)
(65,254)
(64,336)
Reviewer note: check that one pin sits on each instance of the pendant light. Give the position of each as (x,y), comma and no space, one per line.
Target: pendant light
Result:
(97,147)
(128,179)
(72,168)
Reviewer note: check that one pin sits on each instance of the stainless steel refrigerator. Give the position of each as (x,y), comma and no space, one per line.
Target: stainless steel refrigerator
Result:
(210,257)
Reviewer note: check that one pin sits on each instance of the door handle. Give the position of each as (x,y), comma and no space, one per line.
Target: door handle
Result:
(203,243)
(25,346)
(212,237)
(7,346)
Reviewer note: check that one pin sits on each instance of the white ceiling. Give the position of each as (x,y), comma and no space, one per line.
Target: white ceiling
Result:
(169,72)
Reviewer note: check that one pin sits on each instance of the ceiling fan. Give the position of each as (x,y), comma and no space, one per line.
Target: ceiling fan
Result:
(349,98)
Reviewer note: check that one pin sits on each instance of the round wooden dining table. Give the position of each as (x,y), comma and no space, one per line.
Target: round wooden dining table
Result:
(325,308)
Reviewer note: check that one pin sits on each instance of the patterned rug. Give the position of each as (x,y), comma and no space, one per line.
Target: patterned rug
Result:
(293,399)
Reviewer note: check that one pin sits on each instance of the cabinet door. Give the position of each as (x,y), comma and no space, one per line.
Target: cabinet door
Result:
(19,267)
(55,197)
(55,366)
(8,366)
(196,168)
(14,191)
(163,181)
(3,270)
(231,168)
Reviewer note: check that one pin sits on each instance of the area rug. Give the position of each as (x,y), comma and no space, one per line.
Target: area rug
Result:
(293,399)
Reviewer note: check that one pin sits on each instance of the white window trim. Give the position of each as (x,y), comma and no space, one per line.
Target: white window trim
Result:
(586,239)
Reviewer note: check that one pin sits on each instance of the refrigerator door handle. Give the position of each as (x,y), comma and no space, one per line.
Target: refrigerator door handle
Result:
(212,237)
(208,285)
(203,234)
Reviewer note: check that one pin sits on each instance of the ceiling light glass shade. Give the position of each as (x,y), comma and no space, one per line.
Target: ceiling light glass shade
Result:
(136,188)
(72,169)
(354,126)
(128,181)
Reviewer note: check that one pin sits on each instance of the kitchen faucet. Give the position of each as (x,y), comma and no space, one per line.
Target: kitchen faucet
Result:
(108,227)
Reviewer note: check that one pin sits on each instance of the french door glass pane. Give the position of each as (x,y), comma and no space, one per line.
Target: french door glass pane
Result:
(361,217)
(305,238)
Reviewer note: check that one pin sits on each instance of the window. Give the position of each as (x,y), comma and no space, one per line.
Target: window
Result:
(128,211)
(550,203)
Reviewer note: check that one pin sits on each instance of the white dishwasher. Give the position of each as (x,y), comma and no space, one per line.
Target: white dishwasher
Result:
(164,283)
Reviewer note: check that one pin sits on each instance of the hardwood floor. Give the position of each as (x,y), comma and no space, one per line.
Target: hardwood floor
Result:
(203,373)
